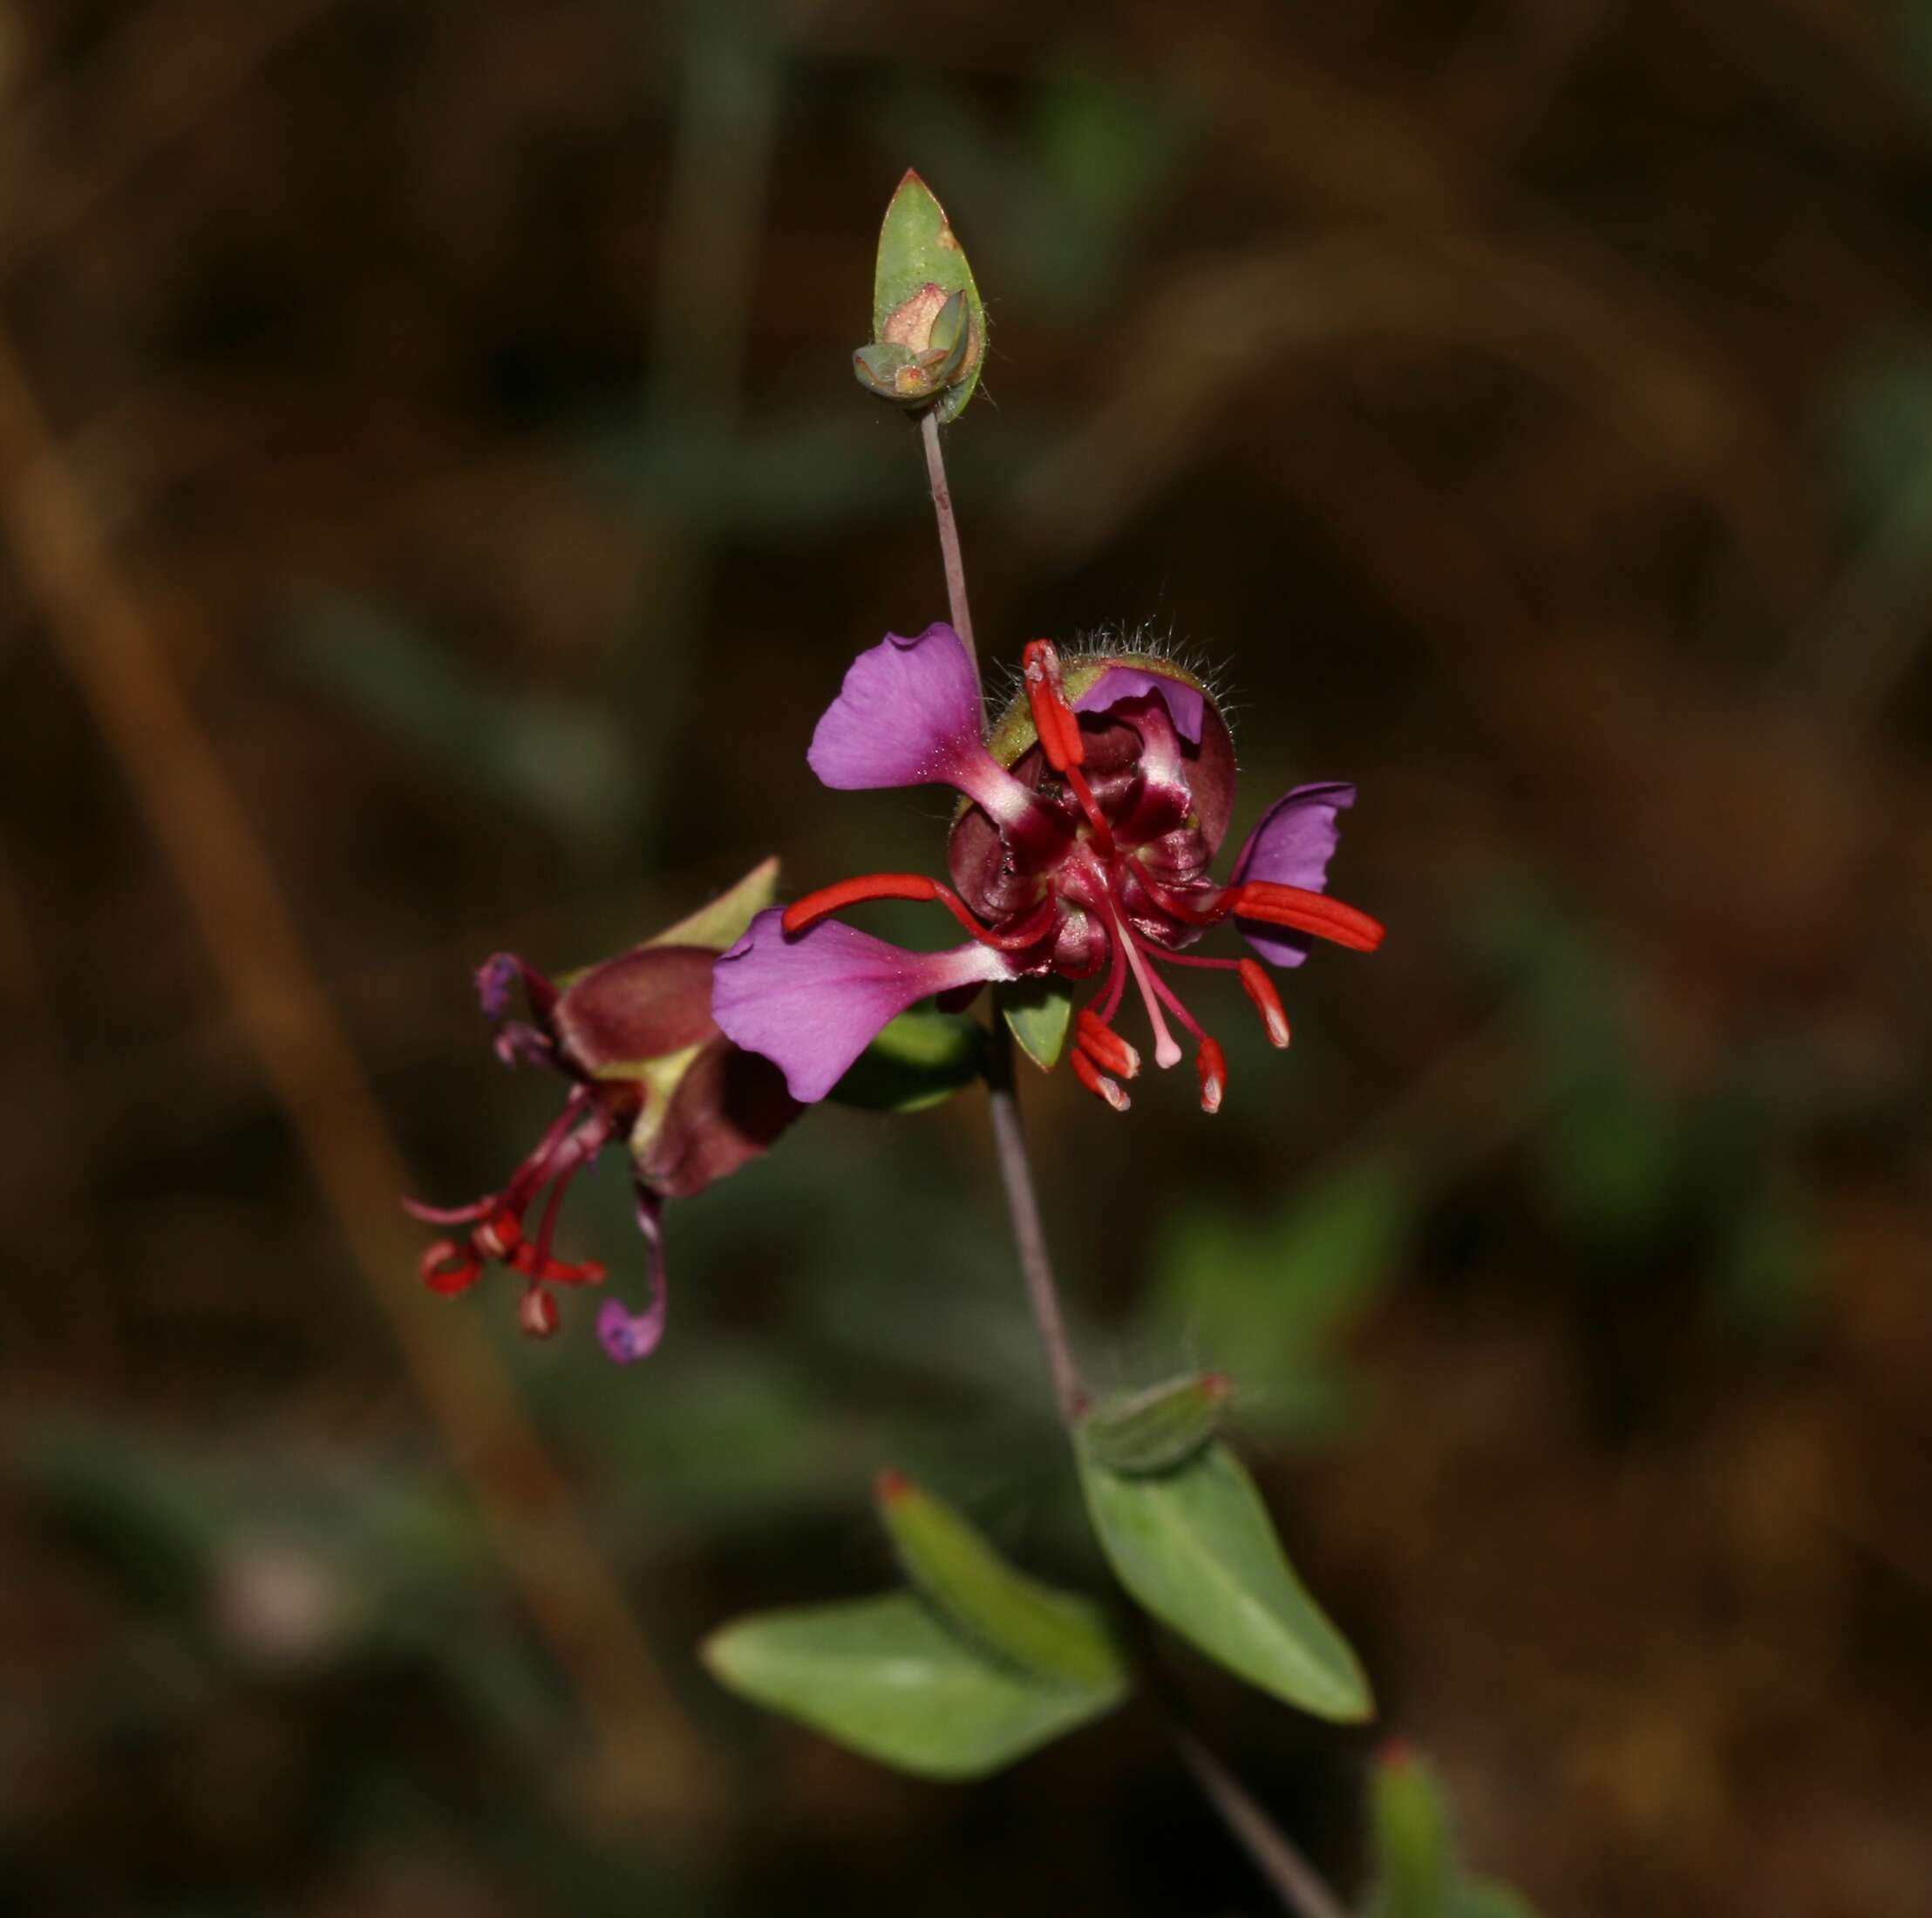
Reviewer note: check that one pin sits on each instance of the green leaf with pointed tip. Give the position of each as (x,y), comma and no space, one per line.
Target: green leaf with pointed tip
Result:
(721,924)
(1418,1869)
(917,250)
(1415,1846)
(920,1059)
(1037,1012)
(1196,1547)
(886,1677)
(1055,1635)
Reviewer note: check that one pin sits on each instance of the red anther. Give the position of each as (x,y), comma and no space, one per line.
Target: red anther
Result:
(538,1314)
(499,1234)
(1304,911)
(813,907)
(449,1268)
(1054,718)
(890,1485)
(1267,1002)
(588,1272)
(1212,1067)
(1217,1388)
(1096,1082)
(1105,1047)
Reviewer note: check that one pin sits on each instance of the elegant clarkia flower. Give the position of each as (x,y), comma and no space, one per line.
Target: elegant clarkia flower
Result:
(1080,848)
(647,1065)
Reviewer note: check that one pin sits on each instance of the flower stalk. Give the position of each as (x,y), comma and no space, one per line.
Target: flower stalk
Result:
(1295,1882)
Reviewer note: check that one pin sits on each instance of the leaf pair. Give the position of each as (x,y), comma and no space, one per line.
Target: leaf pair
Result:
(973,1668)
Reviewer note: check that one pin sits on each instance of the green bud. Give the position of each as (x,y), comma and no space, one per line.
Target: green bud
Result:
(1144,1433)
(1052,1634)
(923,301)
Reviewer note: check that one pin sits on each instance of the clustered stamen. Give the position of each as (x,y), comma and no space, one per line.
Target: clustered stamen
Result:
(497,1231)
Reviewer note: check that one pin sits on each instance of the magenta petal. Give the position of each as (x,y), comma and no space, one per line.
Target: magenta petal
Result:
(1291,845)
(629,1336)
(812,1003)
(1185,704)
(908,714)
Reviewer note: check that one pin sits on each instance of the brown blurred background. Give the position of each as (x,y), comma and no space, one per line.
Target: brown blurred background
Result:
(435,504)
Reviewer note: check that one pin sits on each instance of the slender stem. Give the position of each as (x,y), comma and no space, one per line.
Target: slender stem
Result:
(948,535)
(1029,1233)
(1293,1880)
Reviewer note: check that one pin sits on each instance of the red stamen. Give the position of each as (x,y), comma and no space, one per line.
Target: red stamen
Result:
(1213,1068)
(500,1235)
(1304,911)
(1029,932)
(1054,718)
(1117,986)
(813,907)
(1096,1082)
(1106,1048)
(448,1268)
(586,1272)
(1058,726)
(1267,1002)
(1166,1052)
(538,1314)
(807,912)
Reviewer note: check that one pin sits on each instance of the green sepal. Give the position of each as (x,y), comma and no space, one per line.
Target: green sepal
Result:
(922,289)
(1196,1547)
(886,1677)
(920,1059)
(1037,1012)
(723,923)
(1160,1428)
(1056,1636)
(880,369)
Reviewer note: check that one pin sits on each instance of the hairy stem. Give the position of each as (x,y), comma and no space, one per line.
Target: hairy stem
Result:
(1029,1233)
(948,535)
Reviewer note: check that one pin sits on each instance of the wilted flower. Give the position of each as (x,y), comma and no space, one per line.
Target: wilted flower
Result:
(647,1065)
(1080,849)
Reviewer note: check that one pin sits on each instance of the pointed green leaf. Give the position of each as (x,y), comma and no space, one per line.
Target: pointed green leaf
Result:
(1039,1011)
(1415,1849)
(884,1677)
(1055,1635)
(921,267)
(1196,1547)
(1160,1428)
(1417,1871)
(721,924)
(921,1060)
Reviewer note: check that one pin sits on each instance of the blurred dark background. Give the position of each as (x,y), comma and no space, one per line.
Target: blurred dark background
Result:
(436,505)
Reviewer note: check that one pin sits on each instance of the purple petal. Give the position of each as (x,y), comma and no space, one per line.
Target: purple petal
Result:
(629,1336)
(812,1003)
(1185,704)
(1291,845)
(909,714)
